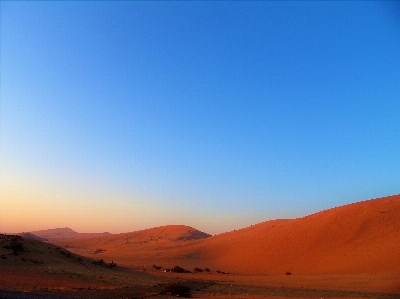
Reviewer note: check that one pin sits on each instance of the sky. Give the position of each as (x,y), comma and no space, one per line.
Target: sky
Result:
(121,116)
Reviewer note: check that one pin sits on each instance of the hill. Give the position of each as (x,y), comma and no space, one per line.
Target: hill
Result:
(30,265)
(64,234)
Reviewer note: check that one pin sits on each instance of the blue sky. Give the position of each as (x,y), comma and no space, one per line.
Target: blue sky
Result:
(118,116)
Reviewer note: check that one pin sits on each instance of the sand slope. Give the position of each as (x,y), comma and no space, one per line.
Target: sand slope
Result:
(41,266)
(362,237)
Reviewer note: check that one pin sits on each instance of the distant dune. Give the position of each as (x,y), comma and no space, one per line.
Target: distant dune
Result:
(363,237)
(64,234)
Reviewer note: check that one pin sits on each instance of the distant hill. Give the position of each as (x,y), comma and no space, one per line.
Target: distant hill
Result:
(168,233)
(31,236)
(64,234)
(147,246)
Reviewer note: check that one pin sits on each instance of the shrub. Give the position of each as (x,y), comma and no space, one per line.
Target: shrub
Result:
(16,247)
(157,267)
(112,264)
(178,269)
(99,262)
(207,270)
(197,269)
(176,289)
(288,273)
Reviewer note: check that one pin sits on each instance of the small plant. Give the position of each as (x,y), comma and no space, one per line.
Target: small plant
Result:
(176,289)
(207,270)
(16,247)
(156,267)
(99,262)
(178,269)
(197,269)
(112,264)
(288,273)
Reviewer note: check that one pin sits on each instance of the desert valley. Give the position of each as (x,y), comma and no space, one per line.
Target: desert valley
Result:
(351,251)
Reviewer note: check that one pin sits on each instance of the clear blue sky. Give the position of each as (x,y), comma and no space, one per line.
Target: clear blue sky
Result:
(118,116)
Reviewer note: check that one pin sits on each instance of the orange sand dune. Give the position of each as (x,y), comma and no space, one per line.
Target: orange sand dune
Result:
(363,237)
(160,245)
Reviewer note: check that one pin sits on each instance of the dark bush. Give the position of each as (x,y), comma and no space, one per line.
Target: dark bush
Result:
(16,247)
(178,269)
(157,267)
(99,262)
(176,289)
(288,273)
(197,269)
(207,270)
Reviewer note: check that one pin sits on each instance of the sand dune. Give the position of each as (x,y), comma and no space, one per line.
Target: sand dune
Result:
(363,237)
(160,245)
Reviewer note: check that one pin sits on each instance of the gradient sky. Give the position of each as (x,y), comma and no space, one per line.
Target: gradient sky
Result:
(120,116)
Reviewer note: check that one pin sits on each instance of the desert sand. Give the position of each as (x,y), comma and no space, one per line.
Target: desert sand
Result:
(352,251)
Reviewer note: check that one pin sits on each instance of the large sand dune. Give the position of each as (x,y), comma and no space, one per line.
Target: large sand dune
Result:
(363,237)
(358,238)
